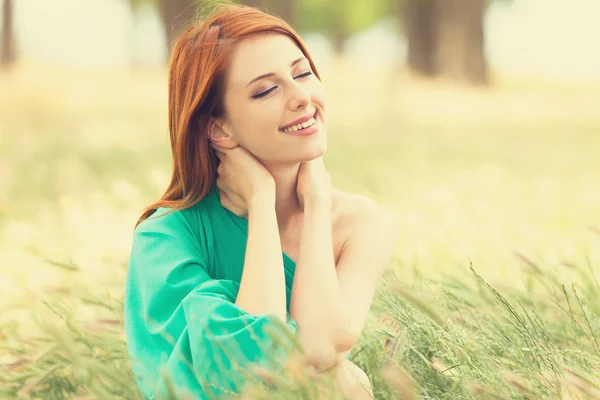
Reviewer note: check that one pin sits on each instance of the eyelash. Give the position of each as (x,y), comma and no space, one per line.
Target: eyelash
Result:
(266,92)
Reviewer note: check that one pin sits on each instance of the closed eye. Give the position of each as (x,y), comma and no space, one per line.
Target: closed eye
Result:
(304,74)
(263,94)
(266,92)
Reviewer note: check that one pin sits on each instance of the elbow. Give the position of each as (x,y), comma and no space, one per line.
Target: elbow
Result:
(345,338)
(324,353)
(326,356)
(318,350)
(345,342)
(322,346)
(321,357)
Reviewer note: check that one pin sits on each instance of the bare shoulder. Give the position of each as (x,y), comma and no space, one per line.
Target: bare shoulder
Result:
(353,210)
(365,224)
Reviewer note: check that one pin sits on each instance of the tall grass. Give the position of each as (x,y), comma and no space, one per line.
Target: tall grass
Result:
(493,292)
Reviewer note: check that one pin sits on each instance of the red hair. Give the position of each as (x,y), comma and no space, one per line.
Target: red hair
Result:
(199,59)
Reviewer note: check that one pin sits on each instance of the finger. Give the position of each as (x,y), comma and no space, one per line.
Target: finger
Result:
(224,195)
(238,212)
(223,188)
(224,198)
(221,185)
(226,203)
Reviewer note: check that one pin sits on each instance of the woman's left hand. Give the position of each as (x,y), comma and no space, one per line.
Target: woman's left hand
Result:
(314,181)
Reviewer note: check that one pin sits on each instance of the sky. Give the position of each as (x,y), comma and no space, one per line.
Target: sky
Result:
(541,38)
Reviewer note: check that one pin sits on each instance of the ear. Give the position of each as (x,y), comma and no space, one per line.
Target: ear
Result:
(217,133)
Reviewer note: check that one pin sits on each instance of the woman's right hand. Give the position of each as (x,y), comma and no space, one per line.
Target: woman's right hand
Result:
(240,177)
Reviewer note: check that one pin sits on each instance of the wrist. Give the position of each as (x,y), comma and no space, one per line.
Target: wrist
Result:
(262,196)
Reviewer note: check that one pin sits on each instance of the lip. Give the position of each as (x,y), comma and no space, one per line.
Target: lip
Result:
(300,120)
(307,131)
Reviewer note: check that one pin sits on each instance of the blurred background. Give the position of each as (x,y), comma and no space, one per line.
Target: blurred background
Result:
(458,39)
(476,121)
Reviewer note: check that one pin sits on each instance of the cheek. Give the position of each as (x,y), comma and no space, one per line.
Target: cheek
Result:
(319,94)
(257,122)
(264,117)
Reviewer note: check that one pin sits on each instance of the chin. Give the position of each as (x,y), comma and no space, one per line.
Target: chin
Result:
(307,152)
(315,153)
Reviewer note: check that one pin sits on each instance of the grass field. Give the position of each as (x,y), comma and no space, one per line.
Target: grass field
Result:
(494,289)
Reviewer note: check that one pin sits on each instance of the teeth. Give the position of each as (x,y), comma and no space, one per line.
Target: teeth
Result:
(303,125)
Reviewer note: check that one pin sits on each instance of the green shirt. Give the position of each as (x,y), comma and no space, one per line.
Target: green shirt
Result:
(181,322)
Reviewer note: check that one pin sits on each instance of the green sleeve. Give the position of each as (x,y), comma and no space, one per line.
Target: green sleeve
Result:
(183,329)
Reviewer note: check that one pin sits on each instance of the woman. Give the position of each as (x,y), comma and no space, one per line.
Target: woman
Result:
(250,248)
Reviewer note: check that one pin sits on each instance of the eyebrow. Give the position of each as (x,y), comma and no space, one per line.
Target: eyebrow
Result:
(296,61)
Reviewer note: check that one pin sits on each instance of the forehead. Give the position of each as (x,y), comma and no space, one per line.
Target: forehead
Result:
(261,54)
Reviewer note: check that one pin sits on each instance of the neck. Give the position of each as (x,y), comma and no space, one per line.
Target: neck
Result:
(287,207)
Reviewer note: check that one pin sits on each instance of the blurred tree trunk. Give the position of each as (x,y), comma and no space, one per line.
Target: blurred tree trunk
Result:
(176,16)
(338,39)
(8,55)
(419,22)
(446,38)
(460,48)
(285,9)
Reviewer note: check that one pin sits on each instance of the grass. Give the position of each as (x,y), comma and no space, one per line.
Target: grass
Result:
(493,292)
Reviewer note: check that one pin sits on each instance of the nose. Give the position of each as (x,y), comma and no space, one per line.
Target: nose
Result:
(298,98)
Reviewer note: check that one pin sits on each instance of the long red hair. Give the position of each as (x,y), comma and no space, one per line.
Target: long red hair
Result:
(199,59)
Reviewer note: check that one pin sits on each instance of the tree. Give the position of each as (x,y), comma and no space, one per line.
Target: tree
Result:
(8,55)
(445,38)
(339,19)
(285,9)
(176,16)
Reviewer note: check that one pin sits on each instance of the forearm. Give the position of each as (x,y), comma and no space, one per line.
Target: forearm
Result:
(262,286)
(316,303)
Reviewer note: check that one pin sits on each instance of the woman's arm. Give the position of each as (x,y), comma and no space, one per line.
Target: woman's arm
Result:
(330,303)
(316,303)
(248,189)
(262,287)
(183,330)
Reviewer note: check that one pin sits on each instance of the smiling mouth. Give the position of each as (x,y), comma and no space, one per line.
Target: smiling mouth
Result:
(302,126)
